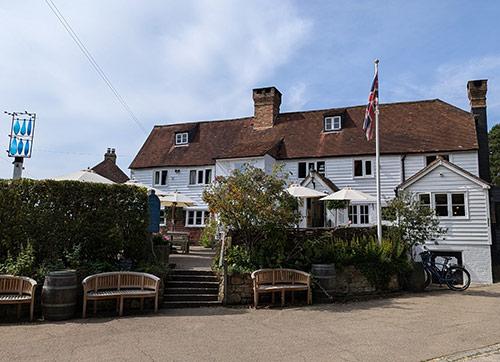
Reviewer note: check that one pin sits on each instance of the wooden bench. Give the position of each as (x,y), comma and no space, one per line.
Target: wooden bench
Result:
(18,290)
(119,286)
(179,239)
(280,280)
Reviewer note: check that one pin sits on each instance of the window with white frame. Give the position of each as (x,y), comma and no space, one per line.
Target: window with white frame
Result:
(363,168)
(446,204)
(160,177)
(181,138)
(200,177)
(304,168)
(163,217)
(359,214)
(197,218)
(333,123)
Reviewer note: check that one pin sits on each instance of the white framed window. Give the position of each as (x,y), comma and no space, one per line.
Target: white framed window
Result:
(197,218)
(200,177)
(181,138)
(304,168)
(163,217)
(160,177)
(446,204)
(363,168)
(359,215)
(333,123)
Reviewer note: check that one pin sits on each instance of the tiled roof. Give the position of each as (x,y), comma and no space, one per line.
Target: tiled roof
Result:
(111,171)
(407,127)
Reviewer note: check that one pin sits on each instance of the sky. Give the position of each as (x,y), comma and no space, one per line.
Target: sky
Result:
(178,61)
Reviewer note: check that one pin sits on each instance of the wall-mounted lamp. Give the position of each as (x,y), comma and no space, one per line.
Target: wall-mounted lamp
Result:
(177,171)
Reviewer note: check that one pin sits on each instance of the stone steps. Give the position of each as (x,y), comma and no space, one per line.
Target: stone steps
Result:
(191,288)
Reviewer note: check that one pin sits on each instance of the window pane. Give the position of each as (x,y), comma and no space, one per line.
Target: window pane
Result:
(353,214)
(192,177)
(336,123)
(458,199)
(441,202)
(164,177)
(190,218)
(429,160)
(321,167)
(157,178)
(328,124)
(200,176)
(363,211)
(208,176)
(368,167)
(424,199)
(458,204)
(358,168)
(302,170)
(311,166)
(199,216)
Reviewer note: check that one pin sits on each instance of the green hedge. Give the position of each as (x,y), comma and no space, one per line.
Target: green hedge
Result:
(67,222)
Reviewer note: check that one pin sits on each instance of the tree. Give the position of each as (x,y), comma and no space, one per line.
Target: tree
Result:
(414,222)
(494,143)
(252,203)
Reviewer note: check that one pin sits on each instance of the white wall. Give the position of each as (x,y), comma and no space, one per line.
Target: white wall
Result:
(177,181)
(466,160)
(225,167)
(470,235)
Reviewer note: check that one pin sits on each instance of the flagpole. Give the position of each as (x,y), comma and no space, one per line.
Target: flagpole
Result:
(377,163)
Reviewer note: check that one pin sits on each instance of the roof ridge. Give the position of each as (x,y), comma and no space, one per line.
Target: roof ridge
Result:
(304,111)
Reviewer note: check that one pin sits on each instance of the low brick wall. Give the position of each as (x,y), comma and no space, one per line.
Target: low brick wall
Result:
(349,282)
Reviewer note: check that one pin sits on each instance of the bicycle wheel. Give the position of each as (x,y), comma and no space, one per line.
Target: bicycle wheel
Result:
(457,278)
(428,278)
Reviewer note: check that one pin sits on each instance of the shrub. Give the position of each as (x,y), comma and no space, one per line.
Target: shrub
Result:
(70,224)
(207,238)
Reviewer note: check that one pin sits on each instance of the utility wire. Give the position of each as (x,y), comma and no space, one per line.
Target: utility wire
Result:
(93,62)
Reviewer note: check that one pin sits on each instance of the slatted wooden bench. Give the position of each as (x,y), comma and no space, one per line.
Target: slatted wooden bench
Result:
(180,239)
(280,280)
(18,290)
(120,286)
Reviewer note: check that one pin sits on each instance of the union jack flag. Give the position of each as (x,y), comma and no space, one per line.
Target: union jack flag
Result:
(369,123)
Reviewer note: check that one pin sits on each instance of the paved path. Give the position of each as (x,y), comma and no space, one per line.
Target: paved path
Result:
(199,258)
(407,328)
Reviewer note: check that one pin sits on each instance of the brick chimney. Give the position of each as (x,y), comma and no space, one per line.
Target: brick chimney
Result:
(110,155)
(476,91)
(267,103)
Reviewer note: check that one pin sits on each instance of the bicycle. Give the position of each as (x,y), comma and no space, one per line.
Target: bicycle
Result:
(457,278)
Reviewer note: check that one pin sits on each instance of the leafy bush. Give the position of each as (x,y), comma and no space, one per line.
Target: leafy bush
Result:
(252,204)
(50,225)
(207,237)
(239,260)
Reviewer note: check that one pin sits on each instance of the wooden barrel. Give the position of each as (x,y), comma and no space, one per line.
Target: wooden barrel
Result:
(59,295)
(324,275)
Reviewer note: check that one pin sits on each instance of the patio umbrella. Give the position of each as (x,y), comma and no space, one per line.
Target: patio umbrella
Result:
(305,192)
(133,182)
(84,176)
(175,199)
(348,194)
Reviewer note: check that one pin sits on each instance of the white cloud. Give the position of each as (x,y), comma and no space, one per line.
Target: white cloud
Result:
(449,83)
(171,61)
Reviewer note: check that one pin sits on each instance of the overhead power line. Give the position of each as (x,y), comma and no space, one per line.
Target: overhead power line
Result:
(93,62)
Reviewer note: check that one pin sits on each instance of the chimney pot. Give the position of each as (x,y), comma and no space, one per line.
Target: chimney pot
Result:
(267,103)
(110,155)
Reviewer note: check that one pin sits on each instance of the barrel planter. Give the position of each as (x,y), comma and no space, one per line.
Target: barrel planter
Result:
(59,295)
(324,275)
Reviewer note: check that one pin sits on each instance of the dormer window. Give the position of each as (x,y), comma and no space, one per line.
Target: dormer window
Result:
(333,123)
(181,138)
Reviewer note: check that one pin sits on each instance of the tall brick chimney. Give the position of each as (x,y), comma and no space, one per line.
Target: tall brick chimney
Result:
(476,91)
(267,103)
(110,155)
